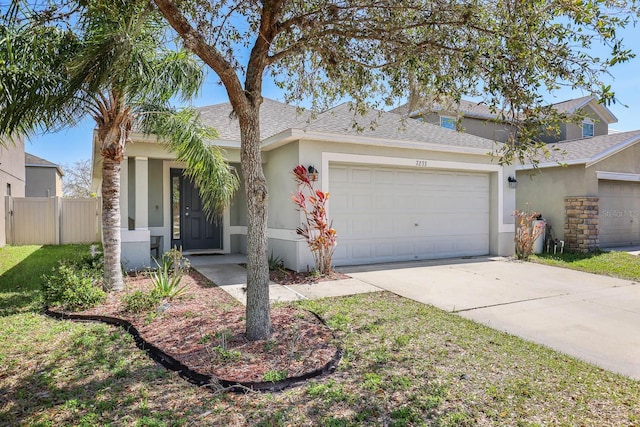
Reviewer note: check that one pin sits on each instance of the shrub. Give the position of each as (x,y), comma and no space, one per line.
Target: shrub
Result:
(174,261)
(275,262)
(138,301)
(318,230)
(166,284)
(526,233)
(72,288)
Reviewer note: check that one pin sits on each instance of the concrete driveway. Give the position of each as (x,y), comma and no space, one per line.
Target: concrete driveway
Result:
(591,317)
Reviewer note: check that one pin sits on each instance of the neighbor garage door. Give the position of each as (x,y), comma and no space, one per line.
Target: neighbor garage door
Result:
(619,209)
(389,214)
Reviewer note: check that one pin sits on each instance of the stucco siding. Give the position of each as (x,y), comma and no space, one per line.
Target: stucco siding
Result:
(42,182)
(544,191)
(280,164)
(625,161)
(483,128)
(12,175)
(156,218)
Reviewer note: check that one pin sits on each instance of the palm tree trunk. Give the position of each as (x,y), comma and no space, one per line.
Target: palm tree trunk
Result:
(258,313)
(111,224)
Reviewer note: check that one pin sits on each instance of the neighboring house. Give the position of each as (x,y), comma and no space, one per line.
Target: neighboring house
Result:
(400,191)
(43,178)
(12,177)
(589,189)
(478,119)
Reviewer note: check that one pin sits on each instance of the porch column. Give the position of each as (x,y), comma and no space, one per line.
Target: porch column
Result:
(142,193)
(124,194)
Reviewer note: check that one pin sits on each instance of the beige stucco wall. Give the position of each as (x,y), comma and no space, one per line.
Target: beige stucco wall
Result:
(278,171)
(544,191)
(12,173)
(625,161)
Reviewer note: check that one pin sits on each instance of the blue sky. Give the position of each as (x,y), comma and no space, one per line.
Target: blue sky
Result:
(70,145)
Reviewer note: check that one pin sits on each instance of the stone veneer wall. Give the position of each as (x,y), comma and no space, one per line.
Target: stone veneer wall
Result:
(581,223)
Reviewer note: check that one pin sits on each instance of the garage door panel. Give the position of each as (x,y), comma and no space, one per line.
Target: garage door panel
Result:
(619,213)
(389,214)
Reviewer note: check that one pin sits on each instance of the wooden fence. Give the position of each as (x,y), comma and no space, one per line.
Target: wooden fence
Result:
(52,220)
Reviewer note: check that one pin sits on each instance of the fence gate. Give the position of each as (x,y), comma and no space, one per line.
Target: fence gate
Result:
(52,220)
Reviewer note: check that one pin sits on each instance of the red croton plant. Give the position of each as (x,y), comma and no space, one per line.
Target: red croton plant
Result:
(318,231)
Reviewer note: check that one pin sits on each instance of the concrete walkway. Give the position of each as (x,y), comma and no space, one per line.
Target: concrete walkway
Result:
(226,272)
(591,317)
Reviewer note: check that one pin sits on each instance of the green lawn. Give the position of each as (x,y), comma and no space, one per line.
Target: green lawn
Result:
(21,270)
(616,264)
(405,364)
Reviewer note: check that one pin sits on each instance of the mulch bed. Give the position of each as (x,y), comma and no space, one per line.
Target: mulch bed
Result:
(284,276)
(204,330)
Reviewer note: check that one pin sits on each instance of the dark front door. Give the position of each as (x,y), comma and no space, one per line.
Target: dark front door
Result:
(191,229)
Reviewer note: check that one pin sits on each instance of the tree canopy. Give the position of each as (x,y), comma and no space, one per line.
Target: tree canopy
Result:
(510,53)
(111,60)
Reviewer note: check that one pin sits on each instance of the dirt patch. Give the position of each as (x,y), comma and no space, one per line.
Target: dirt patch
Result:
(204,330)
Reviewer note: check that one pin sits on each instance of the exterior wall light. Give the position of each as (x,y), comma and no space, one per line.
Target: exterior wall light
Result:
(513,183)
(313,173)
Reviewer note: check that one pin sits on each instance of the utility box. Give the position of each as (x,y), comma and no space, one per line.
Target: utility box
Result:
(538,244)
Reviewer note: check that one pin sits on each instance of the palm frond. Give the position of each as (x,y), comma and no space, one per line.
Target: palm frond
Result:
(185,135)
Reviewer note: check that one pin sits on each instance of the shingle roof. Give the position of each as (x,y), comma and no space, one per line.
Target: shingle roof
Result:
(481,110)
(31,160)
(276,117)
(571,105)
(468,108)
(342,119)
(585,150)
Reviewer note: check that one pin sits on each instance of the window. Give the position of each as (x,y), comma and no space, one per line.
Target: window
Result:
(448,122)
(8,189)
(175,206)
(587,129)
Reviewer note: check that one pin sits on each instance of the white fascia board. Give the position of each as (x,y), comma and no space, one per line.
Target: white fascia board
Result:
(613,150)
(551,164)
(618,176)
(582,104)
(603,111)
(298,134)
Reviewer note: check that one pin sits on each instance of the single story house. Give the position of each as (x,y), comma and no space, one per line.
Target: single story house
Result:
(399,190)
(43,178)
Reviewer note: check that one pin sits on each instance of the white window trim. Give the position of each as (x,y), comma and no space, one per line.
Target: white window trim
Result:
(593,128)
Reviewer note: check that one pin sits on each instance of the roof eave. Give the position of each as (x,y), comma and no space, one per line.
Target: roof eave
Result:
(290,135)
(613,150)
(554,164)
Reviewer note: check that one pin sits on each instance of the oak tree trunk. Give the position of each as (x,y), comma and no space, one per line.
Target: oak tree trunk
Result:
(258,312)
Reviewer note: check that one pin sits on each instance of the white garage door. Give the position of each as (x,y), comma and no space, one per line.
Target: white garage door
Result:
(388,214)
(619,209)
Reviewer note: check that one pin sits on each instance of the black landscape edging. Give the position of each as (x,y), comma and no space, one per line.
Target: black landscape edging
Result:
(194,377)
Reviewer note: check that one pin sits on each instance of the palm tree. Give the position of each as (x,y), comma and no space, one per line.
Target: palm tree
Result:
(113,65)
